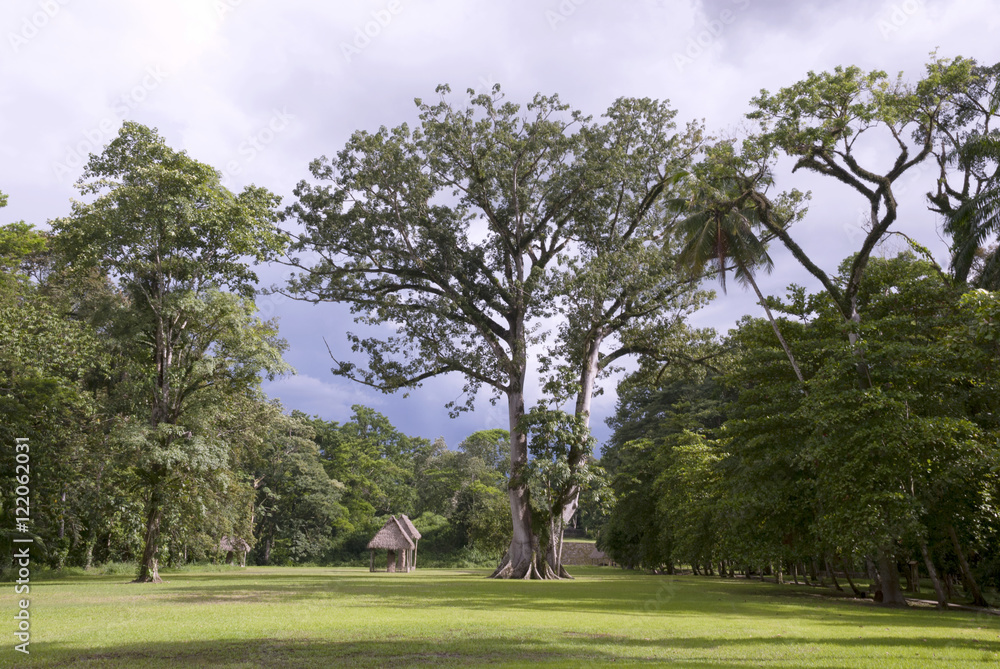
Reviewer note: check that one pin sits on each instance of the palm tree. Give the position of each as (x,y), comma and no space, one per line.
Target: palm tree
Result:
(970,203)
(719,228)
(976,220)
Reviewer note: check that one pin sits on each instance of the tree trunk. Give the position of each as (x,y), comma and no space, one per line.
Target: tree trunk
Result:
(932,573)
(148,567)
(584,400)
(915,576)
(889,592)
(967,577)
(850,581)
(777,331)
(833,576)
(94,520)
(908,577)
(522,559)
(88,555)
(949,586)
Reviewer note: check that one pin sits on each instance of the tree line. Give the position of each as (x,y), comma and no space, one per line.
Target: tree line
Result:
(497,237)
(132,360)
(858,430)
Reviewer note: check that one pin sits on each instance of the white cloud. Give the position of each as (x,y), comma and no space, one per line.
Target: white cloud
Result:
(224,77)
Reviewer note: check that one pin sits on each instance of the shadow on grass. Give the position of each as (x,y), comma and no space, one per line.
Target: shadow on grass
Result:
(635,595)
(568,649)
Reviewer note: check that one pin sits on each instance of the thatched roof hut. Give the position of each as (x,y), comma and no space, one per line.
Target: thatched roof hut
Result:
(399,537)
(408,526)
(232,545)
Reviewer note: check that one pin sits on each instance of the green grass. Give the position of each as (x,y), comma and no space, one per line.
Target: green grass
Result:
(328,617)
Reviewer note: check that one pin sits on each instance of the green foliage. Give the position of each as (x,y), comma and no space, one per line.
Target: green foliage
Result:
(560,445)
(838,469)
(967,194)
(492,447)
(850,470)
(396,231)
(164,229)
(374,461)
(164,217)
(656,419)
(720,222)
(825,122)
(20,248)
(482,515)
(297,507)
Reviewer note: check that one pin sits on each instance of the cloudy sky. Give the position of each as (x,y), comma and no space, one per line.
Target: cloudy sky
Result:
(258,89)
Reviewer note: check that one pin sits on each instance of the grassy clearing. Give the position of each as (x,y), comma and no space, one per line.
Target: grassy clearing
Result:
(323,617)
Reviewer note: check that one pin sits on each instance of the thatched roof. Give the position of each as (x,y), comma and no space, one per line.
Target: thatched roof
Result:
(391,537)
(597,554)
(233,544)
(408,526)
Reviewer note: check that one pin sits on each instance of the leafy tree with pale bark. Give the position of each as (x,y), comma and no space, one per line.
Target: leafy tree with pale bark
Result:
(171,237)
(620,288)
(452,231)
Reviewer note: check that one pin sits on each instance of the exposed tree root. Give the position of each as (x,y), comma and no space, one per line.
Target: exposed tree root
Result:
(526,569)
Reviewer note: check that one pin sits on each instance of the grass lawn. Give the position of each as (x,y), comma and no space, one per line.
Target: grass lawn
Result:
(328,617)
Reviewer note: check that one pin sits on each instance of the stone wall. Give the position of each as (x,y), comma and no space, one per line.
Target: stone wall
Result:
(577,553)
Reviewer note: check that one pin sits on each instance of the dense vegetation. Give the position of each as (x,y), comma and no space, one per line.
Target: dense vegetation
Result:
(858,431)
(136,378)
(854,429)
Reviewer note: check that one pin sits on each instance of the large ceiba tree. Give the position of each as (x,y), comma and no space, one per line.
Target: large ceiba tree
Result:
(453,231)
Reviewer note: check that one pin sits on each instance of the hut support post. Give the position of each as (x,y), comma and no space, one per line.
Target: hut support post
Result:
(371,563)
